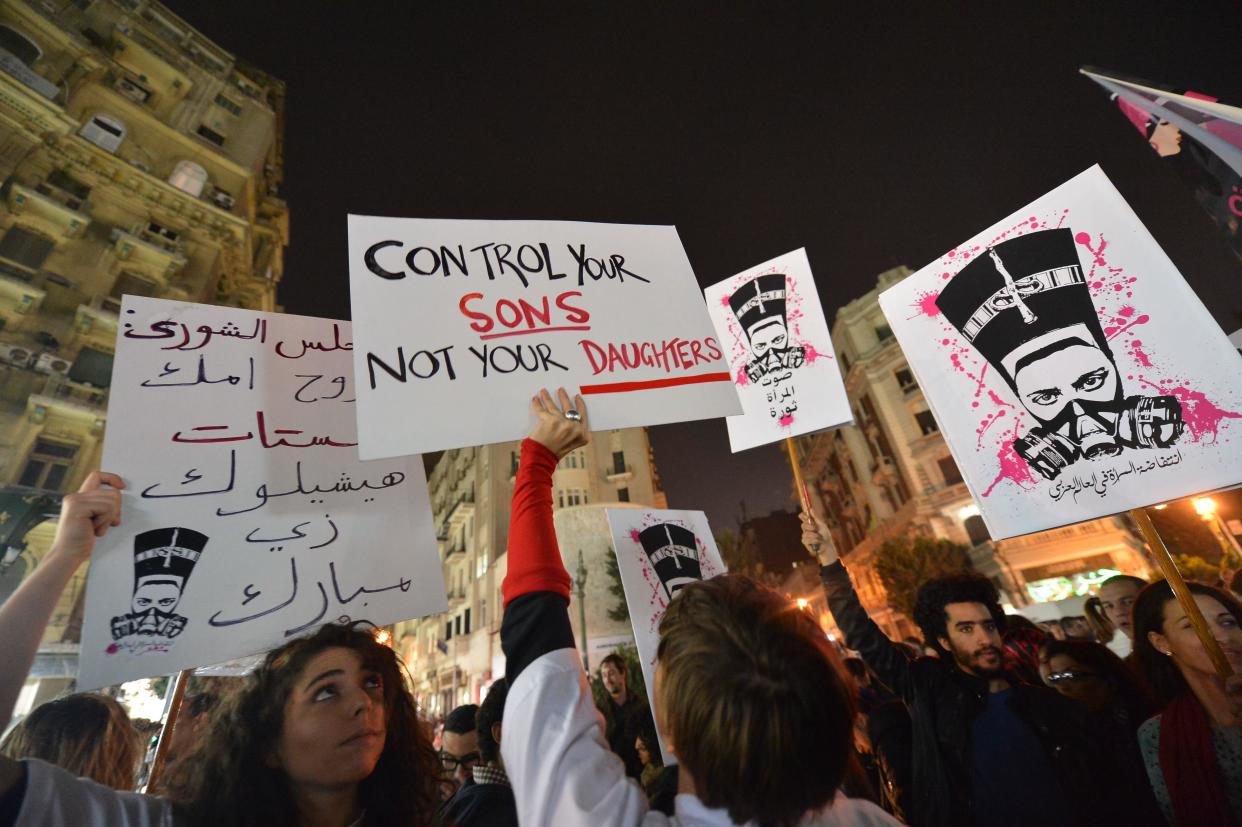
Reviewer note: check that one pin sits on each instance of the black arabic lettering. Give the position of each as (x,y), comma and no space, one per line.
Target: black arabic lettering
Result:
(164,330)
(297,534)
(323,593)
(335,533)
(315,377)
(403,584)
(293,566)
(200,380)
(192,475)
(320,346)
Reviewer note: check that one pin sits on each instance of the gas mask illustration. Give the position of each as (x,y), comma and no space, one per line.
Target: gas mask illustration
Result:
(1026,309)
(759,306)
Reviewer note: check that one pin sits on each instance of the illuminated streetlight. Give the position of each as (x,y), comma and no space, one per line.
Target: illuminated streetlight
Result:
(1205,506)
(802,603)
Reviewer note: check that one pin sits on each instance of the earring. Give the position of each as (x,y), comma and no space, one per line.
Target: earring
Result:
(1167,654)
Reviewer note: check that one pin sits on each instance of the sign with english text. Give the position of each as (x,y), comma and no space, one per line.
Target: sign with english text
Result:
(771,324)
(1071,369)
(459,323)
(248,518)
(659,552)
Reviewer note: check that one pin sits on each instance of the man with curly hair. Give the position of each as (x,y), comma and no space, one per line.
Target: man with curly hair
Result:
(987,748)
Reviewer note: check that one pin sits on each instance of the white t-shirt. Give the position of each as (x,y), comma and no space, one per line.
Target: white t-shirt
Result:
(55,798)
(564,774)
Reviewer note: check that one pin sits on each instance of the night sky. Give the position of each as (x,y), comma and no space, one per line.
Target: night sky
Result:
(873,139)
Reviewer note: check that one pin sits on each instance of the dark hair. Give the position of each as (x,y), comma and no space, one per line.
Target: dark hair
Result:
(1235,582)
(1124,578)
(939,592)
(461,720)
(201,704)
(1016,622)
(491,711)
(234,784)
(1097,657)
(1163,676)
(856,668)
(755,699)
(88,735)
(647,733)
(616,660)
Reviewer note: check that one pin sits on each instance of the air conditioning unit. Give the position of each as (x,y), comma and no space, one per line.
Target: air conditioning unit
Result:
(53,364)
(16,355)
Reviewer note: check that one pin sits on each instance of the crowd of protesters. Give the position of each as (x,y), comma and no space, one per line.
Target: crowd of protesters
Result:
(1115,717)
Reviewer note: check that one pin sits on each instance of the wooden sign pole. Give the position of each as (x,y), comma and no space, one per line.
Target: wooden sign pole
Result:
(177,691)
(803,495)
(1169,569)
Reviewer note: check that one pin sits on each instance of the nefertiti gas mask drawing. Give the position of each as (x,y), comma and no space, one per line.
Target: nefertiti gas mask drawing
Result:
(674,554)
(759,305)
(164,558)
(1025,307)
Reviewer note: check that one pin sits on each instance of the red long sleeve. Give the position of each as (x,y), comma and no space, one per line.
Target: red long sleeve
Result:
(534,556)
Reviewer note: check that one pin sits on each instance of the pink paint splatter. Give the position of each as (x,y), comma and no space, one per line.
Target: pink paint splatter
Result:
(786,420)
(812,354)
(112,649)
(741,379)
(1140,355)
(1202,418)
(926,304)
(724,301)
(634,536)
(1012,468)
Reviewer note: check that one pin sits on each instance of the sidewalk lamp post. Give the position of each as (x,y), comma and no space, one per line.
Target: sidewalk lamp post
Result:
(1206,508)
(580,588)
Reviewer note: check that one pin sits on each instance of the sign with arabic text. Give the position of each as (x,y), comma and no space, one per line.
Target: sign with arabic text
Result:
(248,518)
(1072,371)
(776,341)
(659,553)
(459,323)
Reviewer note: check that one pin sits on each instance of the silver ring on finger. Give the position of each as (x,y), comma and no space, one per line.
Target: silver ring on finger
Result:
(573,416)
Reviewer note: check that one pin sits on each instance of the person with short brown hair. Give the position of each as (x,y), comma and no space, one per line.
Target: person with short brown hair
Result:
(87,734)
(747,691)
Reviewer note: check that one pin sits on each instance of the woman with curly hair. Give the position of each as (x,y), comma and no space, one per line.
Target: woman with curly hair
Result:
(324,732)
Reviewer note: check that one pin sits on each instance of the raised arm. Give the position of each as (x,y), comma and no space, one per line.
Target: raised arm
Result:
(84,516)
(554,751)
(861,633)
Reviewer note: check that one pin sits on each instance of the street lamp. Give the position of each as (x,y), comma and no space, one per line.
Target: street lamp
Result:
(580,588)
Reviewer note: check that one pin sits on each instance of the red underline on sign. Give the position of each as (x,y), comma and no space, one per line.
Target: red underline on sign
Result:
(540,330)
(651,384)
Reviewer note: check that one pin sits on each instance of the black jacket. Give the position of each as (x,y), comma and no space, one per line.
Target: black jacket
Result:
(623,724)
(944,701)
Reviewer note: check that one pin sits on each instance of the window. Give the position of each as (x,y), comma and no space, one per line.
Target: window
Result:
(560,499)
(952,474)
(466,625)
(883,332)
(93,367)
(513,463)
(228,104)
(906,380)
(480,564)
(448,630)
(927,422)
(976,530)
(623,495)
(618,462)
(48,465)
(20,46)
(457,624)
(571,461)
(845,362)
(26,249)
(210,134)
(483,611)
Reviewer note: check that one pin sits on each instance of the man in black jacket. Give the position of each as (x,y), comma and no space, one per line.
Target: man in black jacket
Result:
(986,750)
(488,802)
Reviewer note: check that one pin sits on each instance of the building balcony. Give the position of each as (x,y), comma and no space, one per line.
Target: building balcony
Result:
(66,395)
(615,474)
(18,295)
(462,510)
(99,317)
(166,257)
(56,207)
(455,548)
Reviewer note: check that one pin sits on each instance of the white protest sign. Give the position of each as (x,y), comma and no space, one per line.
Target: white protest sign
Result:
(659,552)
(776,340)
(247,516)
(1072,370)
(459,322)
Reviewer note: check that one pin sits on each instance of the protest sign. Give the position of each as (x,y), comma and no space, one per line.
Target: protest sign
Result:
(1072,371)
(459,321)
(247,516)
(659,552)
(776,341)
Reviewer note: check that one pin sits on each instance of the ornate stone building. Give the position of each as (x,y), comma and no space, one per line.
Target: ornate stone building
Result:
(136,157)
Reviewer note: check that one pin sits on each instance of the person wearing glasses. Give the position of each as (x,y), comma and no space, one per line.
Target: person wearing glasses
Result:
(459,750)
